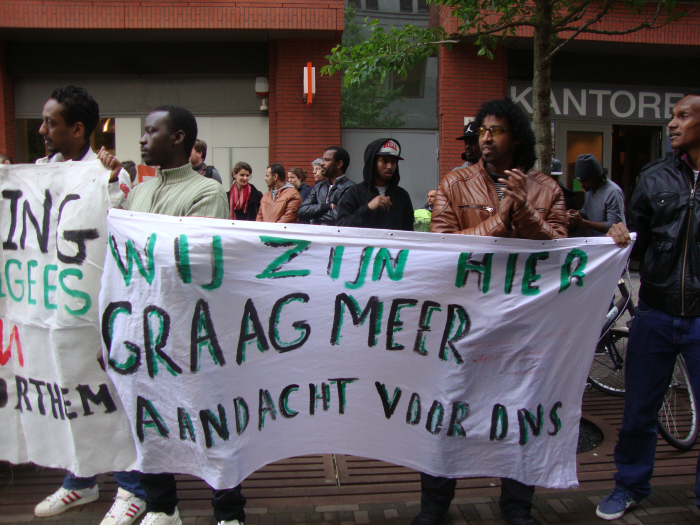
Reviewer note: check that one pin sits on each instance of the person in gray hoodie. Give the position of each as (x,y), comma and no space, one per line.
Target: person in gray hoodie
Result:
(378,202)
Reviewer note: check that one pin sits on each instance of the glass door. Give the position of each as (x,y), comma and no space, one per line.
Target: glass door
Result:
(574,139)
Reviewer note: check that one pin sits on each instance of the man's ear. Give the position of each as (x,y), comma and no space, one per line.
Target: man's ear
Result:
(340,166)
(79,129)
(179,138)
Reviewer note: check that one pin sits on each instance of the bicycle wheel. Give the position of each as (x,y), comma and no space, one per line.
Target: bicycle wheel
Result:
(608,368)
(678,421)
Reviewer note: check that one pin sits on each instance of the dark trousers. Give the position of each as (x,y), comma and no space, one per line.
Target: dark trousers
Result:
(437,493)
(161,496)
(656,338)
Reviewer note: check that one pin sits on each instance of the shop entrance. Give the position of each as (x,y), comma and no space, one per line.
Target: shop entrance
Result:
(577,138)
(623,149)
(632,148)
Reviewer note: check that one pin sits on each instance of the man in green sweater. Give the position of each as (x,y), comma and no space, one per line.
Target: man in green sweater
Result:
(169,135)
(177,189)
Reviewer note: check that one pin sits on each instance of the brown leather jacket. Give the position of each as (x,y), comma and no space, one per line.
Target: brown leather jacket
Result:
(467,203)
(284,209)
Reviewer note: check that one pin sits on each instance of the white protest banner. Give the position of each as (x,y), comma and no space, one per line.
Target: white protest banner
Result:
(58,408)
(234,344)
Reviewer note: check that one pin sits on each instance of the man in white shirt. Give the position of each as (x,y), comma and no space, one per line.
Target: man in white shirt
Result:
(69,118)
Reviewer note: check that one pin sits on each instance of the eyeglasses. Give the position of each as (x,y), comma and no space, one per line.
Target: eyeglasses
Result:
(495,130)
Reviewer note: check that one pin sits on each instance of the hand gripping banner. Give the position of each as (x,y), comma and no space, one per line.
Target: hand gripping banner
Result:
(234,344)
(57,407)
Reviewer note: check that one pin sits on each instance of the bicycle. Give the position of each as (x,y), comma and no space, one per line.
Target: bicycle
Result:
(678,419)
(607,370)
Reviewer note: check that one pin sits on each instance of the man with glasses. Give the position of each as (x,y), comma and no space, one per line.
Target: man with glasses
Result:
(499,196)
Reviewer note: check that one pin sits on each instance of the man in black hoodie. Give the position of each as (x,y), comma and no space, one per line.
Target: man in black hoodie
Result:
(378,202)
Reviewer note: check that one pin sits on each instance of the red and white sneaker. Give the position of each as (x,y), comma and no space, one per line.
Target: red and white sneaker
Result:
(126,508)
(64,499)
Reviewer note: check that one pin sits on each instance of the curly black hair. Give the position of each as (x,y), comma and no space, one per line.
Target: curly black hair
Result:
(518,123)
(181,120)
(78,106)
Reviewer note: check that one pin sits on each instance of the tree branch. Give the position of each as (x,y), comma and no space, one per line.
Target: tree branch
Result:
(573,16)
(418,45)
(644,25)
(606,7)
(496,29)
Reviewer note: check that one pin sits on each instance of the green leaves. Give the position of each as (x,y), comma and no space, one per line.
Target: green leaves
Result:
(364,104)
(396,50)
(367,105)
(485,20)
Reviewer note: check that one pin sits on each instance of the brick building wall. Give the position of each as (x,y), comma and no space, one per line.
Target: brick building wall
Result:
(7,109)
(683,32)
(173,14)
(300,133)
(465,81)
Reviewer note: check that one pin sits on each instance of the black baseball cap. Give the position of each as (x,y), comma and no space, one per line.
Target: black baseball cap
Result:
(469,131)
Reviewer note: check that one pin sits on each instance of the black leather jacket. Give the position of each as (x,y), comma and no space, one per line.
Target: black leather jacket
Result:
(665,213)
(316,208)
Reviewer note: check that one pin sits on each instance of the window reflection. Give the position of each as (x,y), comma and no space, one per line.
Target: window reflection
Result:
(30,144)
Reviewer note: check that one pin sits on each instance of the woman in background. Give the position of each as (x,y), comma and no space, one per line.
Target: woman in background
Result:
(244,198)
(319,173)
(296,177)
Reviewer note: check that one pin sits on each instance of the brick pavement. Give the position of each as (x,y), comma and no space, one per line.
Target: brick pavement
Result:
(673,504)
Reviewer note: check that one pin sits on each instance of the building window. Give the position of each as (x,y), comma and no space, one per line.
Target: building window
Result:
(406,6)
(414,83)
(355,3)
(423,6)
(372,4)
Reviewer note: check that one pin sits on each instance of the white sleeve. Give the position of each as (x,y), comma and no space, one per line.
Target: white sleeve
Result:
(119,189)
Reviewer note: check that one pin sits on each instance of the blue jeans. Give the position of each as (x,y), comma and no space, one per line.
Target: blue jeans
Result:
(656,338)
(126,480)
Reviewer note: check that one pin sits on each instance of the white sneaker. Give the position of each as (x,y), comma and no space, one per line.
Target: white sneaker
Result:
(161,518)
(64,499)
(231,522)
(125,509)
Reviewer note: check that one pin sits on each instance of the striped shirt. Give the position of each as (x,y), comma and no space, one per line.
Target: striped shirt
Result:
(499,185)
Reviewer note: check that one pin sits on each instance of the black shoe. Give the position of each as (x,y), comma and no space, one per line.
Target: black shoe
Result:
(425,518)
(519,517)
